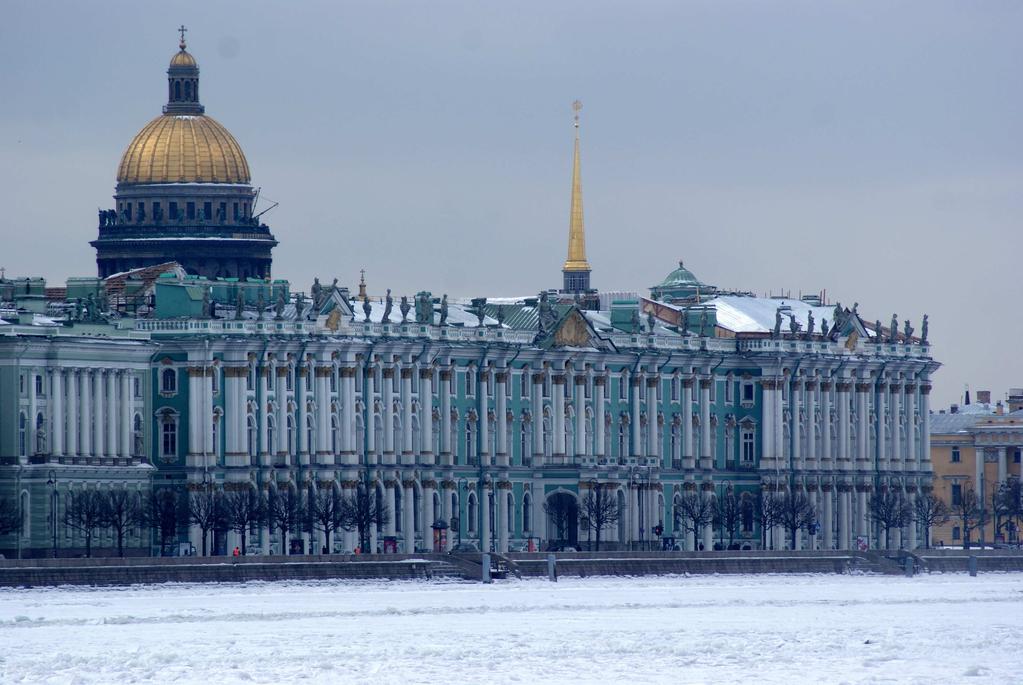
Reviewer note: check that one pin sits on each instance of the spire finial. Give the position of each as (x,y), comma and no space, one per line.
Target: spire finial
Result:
(182,31)
(576,264)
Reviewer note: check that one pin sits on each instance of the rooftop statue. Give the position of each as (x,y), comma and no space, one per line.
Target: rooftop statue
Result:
(260,306)
(404,308)
(279,305)
(444,310)
(478,304)
(810,328)
(206,309)
(634,320)
(824,326)
(299,306)
(500,315)
(793,325)
(893,332)
(367,308)
(923,330)
(650,321)
(908,332)
(777,323)
(877,332)
(836,316)
(388,306)
(703,323)
(546,313)
(317,292)
(424,308)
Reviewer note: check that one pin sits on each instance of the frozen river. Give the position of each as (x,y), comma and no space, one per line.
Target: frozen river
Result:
(753,629)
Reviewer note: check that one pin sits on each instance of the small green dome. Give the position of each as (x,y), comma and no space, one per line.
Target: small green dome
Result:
(679,278)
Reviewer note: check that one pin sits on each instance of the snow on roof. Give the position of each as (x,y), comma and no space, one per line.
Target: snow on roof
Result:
(757,314)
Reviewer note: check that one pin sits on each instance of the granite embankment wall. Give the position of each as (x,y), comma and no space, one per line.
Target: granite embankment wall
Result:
(107,571)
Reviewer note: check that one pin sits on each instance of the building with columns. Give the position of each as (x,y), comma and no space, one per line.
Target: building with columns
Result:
(977,447)
(477,417)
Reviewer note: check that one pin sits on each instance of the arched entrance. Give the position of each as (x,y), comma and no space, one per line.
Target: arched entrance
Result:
(562,519)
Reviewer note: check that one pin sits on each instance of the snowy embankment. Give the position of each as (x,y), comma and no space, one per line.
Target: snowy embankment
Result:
(763,628)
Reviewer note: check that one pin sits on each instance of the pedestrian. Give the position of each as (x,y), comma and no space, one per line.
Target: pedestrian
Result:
(237,552)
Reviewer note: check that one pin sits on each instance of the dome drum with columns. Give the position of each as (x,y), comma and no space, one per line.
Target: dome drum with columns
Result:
(183,194)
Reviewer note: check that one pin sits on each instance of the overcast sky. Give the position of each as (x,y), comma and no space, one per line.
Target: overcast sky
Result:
(872,150)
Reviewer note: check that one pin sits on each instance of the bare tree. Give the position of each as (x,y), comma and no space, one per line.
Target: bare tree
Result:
(83,511)
(970,512)
(728,515)
(327,512)
(162,512)
(1007,505)
(600,509)
(889,509)
(929,510)
(362,511)
(10,517)
(208,511)
(122,511)
(693,513)
(285,512)
(768,514)
(794,512)
(245,509)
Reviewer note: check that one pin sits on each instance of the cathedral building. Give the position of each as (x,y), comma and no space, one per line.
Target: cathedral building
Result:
(184,194)
(480,420)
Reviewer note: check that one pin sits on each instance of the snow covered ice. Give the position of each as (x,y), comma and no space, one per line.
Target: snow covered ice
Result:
(721,629)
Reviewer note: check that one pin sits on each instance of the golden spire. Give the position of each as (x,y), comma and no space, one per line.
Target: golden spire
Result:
(576,235)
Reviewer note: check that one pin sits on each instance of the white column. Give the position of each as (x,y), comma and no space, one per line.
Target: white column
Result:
(57,412)
(862,523)
(635,396)
(281,398)
(558,410)
(426,415)
(537,417)
(880,421)
(98,405)
(445,507)
(502,517)
(598,415)
(828,524)
(444,391)
(633,513)
(485,527)
(483,410)
(390,499)
(301,413)
(322,371)
(72,412)
(925,425)
(706,457)
(501,416)
(812,494)
(794,404)
(895,414)
(580,414)
(235,419)
(406,414)
(111,413)
(912,455)
(688,458)
(843,516)
(372,448)
(387,399)
(827,458)
(767,456)
(912,542)
(652,432)
(812,460)
(429,516)
(408,526)
(862,426)
(85,391)
(127,428)
(843,424)
(262,400)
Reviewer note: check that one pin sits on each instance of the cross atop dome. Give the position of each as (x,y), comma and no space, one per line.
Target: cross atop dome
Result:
(182,31)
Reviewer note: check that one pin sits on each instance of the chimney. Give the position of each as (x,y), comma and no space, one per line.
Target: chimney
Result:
(954,409)
(984,396)
(999,409)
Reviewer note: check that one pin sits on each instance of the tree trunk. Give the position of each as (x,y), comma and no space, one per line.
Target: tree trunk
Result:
(120,542)
(204,542)
(244,537)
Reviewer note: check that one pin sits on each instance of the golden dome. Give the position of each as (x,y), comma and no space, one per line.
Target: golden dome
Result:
(191,148)
(182,58)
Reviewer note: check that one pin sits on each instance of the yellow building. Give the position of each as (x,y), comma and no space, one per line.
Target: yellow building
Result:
(976,447)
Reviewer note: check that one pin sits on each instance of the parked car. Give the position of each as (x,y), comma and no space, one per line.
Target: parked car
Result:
(464,547)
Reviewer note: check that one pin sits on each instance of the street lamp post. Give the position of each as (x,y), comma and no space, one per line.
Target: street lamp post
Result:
(52,482)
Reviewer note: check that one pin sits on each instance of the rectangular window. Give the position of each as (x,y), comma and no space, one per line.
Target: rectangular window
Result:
(546,387)
(21,384)
(713,390)
(236,217)
(136,384)
(207,210)
(747,392)
(674,389)
(957,494)
(748,445)
(215,380)
(586,389)
(956,457)
(729,391)
(956,533)
(39,385)
(169,446)
(1016,456)
(156,211)
(223,211)
(190,210)
(622,383)
(524,385)
(127,206)
(172,211)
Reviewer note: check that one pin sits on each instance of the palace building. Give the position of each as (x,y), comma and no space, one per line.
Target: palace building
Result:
(182,366)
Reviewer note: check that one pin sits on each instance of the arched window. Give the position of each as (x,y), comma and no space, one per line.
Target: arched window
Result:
(621,440)
(177,90)
(527,505)
(270,435)
(524,443)
(333,433)
(137,450)
(290,445)
(188,90)
(547,432)
(470,442)
(746,509)
(511,513)
(251,422)
(169,380)
(169,438)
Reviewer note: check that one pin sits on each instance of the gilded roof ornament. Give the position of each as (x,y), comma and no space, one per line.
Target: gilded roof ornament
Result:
(576,233)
